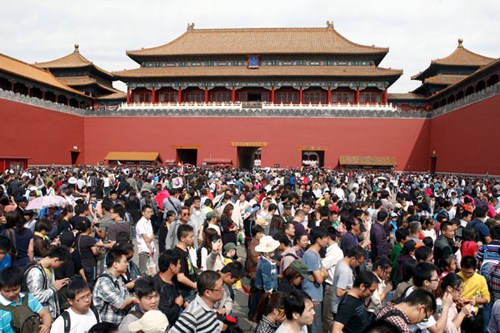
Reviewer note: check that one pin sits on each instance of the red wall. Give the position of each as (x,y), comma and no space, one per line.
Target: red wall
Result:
(405,139)
(44,135)
(466,141)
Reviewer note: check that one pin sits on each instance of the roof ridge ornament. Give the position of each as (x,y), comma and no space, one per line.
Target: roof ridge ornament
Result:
(460,42)
(77,46)
(190,26)
(329,25)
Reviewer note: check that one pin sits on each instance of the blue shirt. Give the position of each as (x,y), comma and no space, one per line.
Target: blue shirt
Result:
(6,262)
(313,289)
(6,316)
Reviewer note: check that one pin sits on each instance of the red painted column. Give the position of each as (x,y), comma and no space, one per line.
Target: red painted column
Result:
(329,95)
(300,95)
(233,95)
(384,99)
(128,95)
(206,94)
(272,95)
(12,86)
(153,95)
(29,91)
(179,95)
(356,100)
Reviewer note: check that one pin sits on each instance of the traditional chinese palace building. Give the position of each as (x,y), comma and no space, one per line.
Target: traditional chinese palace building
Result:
(265,97)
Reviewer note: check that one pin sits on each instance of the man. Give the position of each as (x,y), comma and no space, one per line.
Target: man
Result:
(351,314)
(378,237)
(118,224)
(172,202)
(299,312)
(332,257)
(418,307)
(145,238)
(106,220)
(478,223)
(297,222)
(40,279)
(350,239)
(314,285)
(230,274)
(289,230)
(383,270)
(111,296)
(426,277)
(401,238)
(80,316)
(187,275)
(148,299)
(343,278)
(197,216)
(184,218)
(171,301)
(444,245)
(199,316)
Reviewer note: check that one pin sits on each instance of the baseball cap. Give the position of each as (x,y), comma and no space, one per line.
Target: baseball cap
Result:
(300,267)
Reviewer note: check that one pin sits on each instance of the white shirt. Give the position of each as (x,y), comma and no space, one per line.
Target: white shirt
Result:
(333,255)
(144,227)
(79,323)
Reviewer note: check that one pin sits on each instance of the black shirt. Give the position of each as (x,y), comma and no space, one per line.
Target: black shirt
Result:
(168,294)
(187,269)
(352,314)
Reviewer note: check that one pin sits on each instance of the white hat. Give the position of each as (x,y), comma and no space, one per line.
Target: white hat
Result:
(72,180)
(153,321)
(267,244)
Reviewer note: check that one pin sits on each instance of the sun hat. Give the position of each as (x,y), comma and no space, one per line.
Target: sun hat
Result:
(153,321)
(267,244)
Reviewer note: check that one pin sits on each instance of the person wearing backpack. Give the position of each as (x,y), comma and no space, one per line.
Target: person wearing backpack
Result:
(81,315)
(148,299)
(40,279)
(20,311)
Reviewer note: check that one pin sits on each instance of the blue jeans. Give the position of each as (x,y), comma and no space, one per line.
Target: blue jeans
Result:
(486,315)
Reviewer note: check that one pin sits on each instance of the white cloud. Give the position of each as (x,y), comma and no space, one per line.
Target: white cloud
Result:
(415,31)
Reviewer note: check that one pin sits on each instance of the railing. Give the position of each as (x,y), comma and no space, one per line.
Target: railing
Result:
(468,100)
(35,101)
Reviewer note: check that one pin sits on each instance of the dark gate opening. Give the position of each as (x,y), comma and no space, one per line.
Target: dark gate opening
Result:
(254,97)
(313,158)
(246,157)
(74,157)
(433,164)
(189,156)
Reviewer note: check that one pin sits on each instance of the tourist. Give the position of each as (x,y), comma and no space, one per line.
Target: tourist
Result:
(378,237)
(292,276)
(231,274)
(300,244)
(144,238)
(299,312)
(270,312)
(383,271)
(21,238)
(332,256)
(453,285)
(187,275)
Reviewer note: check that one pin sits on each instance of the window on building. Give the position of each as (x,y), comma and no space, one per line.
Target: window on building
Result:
(168,97)
(342,97)
(194,96)
(142,96)
(221,96)
(370,97)
(289,96)
(315,97)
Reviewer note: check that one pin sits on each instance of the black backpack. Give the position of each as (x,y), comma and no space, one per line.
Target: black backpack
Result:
(67,320)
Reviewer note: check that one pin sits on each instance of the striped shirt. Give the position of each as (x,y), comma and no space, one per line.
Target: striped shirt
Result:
(197,318)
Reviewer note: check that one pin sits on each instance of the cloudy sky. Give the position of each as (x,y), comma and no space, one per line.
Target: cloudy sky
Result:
(415,31)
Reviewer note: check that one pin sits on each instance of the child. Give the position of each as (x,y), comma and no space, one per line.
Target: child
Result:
(230,255)
(266,277)
(447,265)
(469,246)
(429,229)
(230,274)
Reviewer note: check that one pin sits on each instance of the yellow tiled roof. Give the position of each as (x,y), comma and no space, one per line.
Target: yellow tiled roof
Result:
(20,68)
(116,95)
(132,156)
(462,56)
(72,60)
(213,71)
(259,41)
(84,81)
(444,79)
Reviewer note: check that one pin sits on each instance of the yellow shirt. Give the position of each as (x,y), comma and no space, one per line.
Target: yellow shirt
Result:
(475,285)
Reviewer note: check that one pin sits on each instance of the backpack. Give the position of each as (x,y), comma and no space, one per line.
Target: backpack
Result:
(117,285)
(24,320)
(67,320)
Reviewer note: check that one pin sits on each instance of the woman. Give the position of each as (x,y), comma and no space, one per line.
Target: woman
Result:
(276,225)
(270,312)
(229,230)
(301,243)
(211,251)
(452,284)
(21,240)
(63,219)
(133,207)
(447,265)
(243,204)
(469,246)
(88,249)
(407,254)
(163,229)
(291,280)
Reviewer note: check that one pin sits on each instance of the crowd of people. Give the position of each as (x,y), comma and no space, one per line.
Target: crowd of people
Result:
(156,249)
